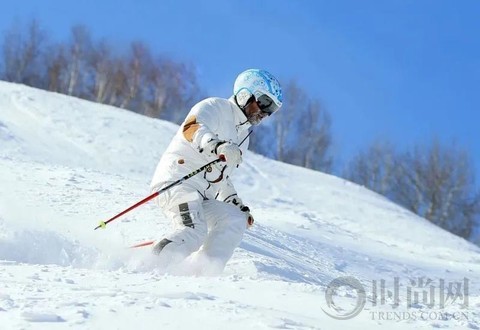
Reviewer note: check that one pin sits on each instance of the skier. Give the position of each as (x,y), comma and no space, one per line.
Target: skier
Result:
(209,217)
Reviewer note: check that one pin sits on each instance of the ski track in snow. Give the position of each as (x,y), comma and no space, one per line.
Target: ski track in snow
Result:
(66,164)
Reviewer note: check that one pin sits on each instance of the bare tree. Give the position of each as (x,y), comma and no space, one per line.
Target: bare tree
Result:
(435,181)
(172,89)
(101,67)
(79,45)
(316,126)
(137,60)
(374,168)
(56,67)
(22,51)
(155,91)
(118,82)
(284,120)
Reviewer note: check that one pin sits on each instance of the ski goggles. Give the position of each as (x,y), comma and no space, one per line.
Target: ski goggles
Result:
(266,104)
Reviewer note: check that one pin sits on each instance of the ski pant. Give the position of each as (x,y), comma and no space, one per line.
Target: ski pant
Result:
(215,226)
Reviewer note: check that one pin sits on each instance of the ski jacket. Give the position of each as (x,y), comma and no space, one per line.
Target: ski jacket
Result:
(209,122)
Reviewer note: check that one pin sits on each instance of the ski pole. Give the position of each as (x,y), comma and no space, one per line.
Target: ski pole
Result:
(103,224)
(142,244)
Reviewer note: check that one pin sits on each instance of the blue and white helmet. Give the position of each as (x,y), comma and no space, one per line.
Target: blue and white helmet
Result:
(262,85)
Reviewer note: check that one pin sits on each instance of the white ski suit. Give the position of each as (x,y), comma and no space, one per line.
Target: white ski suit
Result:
(205,209)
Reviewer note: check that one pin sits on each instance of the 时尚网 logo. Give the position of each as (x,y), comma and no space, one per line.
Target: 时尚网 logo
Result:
(422,298)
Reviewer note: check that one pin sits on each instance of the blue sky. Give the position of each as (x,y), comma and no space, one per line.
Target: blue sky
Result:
(402,71)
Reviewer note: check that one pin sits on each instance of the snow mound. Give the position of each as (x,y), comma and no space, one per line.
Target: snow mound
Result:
(44,247)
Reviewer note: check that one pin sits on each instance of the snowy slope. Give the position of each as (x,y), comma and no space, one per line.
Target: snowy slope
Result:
(66,164)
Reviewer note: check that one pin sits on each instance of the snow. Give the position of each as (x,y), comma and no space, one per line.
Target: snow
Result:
(66,164)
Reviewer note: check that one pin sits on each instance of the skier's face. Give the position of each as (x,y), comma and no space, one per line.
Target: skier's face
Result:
(254,113)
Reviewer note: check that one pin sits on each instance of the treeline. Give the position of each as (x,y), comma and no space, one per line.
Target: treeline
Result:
(133,78)
(435,181)
(299,133)
(154,85)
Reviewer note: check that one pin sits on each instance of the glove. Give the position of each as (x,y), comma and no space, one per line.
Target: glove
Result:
(231,152)
(250,219)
